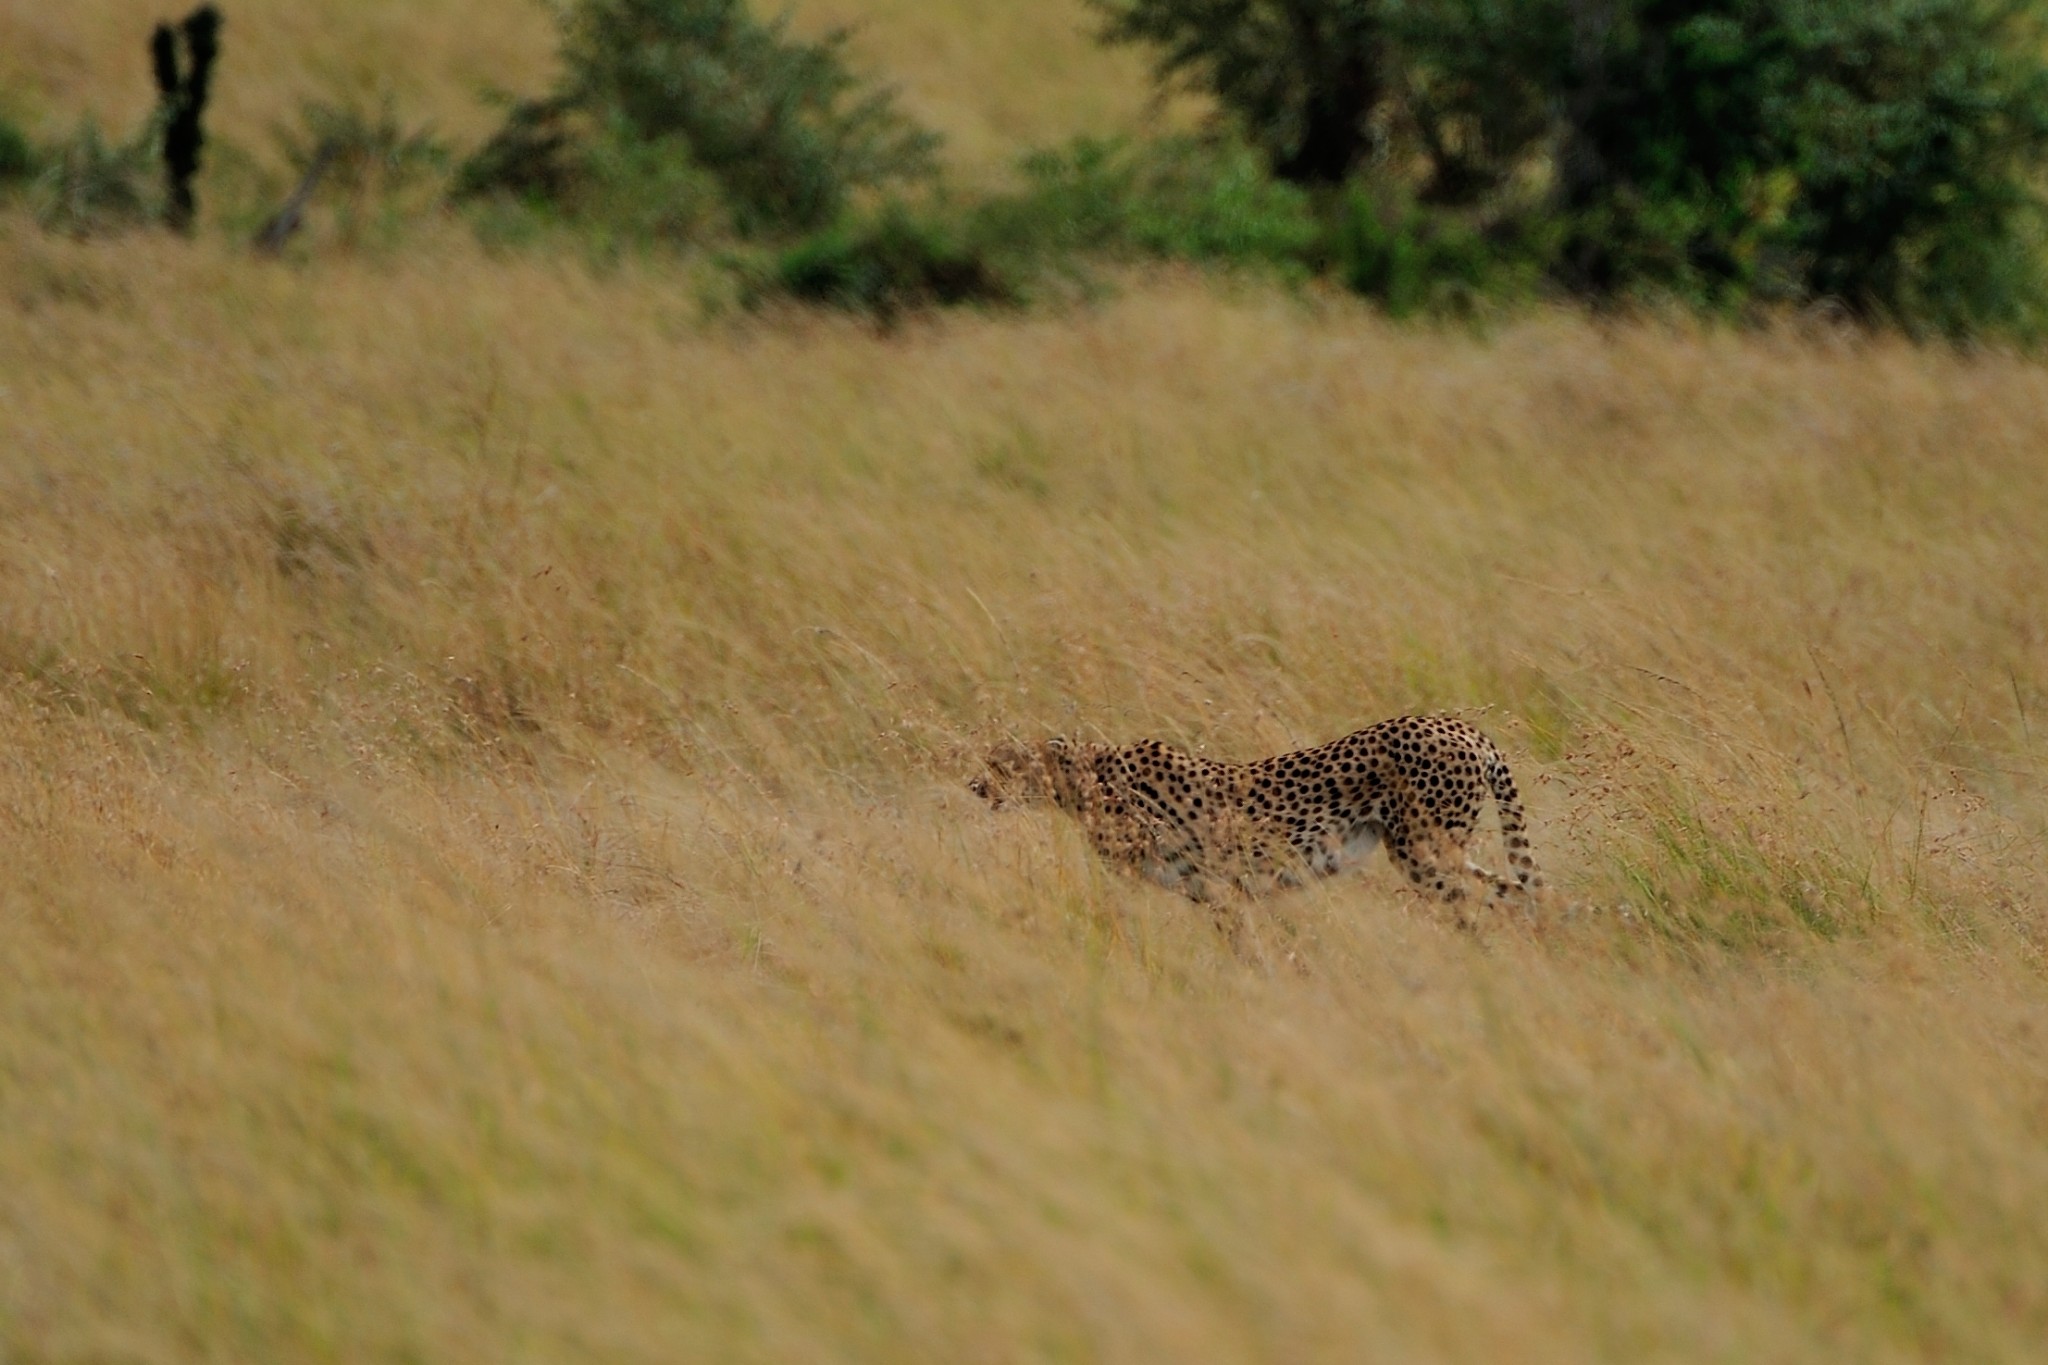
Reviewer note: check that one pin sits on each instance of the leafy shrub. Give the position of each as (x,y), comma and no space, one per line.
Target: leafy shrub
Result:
(1917,137)
(364,157)
(1411,260)
(370,150)
(1326,89)
(1477,91)
(783,128)
(1304,75)
(889,264)
(535,156)
(18,161)
(1886,154)
(617,187)
(1883,154)
(1212,200)
(89,186)
(1181,198)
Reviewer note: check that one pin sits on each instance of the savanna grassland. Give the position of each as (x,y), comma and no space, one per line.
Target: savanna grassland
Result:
(490,876)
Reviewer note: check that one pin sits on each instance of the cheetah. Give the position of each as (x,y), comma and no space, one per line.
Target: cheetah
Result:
(1202,828)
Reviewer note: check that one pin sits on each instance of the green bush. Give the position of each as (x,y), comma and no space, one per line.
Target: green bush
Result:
(536,156)
(18,161)
(1411,260)
(370,150)
(1181,198)
(616,187)
(780,125)
(1305,76)
(889,264)
(367,162)
(1885,154)
(89,186)
(1454,91)
(1186,199)
(1917,137)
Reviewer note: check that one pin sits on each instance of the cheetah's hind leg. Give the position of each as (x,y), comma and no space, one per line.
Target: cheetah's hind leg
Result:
(1500,889)
(1254,936)
(1426,873)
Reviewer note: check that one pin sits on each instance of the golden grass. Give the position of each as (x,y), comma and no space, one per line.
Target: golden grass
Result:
(490,876)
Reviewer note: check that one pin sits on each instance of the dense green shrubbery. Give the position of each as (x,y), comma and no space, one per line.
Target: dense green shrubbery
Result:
(375,169)
(1880,153)
(688,121)
(891,262)
(18,161)
(88,185)
(1180,198)
(1884,153)
(652,88)
(1410,260)
(615,186)
(1433,154)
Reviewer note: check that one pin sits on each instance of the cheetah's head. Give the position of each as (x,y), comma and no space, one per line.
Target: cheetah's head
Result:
(1014,771)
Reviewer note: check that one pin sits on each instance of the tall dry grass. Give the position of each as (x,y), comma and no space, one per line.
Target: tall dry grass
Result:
(481,761)
(481,764)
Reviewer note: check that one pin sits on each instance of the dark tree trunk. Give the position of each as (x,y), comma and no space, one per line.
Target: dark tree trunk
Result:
(182,95)
(1334,138)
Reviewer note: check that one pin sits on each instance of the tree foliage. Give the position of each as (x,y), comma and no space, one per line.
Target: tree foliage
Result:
(1884,153)
(781,124)
(17,154)
(1306,76)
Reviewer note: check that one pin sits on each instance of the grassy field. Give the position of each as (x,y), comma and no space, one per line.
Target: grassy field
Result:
(482,761)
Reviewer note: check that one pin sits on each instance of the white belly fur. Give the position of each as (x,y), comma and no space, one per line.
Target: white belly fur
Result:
(1357,848)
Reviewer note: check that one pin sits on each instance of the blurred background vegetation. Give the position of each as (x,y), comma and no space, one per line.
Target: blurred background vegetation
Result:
(1436,155)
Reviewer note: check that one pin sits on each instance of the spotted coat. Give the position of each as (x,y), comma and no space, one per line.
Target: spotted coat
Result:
(1199,827)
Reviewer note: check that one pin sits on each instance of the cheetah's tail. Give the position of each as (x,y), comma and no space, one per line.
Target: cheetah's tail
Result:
(1513,824)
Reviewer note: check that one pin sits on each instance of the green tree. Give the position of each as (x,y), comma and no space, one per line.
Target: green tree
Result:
(1305,76)
(1885,153)
(1881,153)
(782,124)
